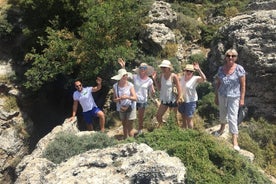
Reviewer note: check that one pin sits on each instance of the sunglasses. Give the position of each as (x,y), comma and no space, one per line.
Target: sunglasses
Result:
(188,71)
(78,86)
(143,67)
(233,56)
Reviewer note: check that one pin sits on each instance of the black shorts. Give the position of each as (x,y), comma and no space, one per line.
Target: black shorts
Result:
(169,104)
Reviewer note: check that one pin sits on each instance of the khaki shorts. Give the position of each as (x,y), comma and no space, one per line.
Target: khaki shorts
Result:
(128,115)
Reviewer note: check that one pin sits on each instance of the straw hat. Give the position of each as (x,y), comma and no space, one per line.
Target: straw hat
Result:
(121,73)
(166,63)
(189,67)
(149,69)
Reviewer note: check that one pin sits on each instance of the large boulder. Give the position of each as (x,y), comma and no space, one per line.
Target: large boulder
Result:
(253,35)
(123,163)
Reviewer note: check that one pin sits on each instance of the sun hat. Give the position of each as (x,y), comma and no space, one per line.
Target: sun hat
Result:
(121,73)
(148,68)
(189,67)
(166,63)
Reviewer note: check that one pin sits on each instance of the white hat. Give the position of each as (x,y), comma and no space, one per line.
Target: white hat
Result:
(121,73)
(149,69)
(166,63)
(189,67)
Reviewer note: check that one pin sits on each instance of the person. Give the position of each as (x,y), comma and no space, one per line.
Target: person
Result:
(165,84)
(125,97)
(143,86)
(230,93)
(188,83)
(83,95)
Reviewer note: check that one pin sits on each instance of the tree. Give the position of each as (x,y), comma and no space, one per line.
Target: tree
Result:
(109,31)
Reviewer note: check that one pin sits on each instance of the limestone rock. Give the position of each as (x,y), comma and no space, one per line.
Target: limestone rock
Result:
(124,163)
(253,35)
(158,32)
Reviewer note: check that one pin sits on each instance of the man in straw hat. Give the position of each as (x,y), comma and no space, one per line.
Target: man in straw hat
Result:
(167,81)
(143,86)
(188,83)
(125,97)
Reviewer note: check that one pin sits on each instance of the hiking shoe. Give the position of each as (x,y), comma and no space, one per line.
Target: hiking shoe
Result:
(237,148)
(216,134)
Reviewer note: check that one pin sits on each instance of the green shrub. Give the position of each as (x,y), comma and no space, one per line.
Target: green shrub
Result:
(208,110)
(231,11)
(259,137)
(66,145)
(5,27)
(206,159)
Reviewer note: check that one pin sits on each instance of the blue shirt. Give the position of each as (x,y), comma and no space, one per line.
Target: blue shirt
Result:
(230,84)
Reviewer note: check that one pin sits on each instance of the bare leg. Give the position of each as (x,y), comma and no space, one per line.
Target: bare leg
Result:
(235,139)
(141,112)
(187,122)
(125,130)
(184,122)
(175,114)
(222,127)
(130,128)
(160,112)
(102,120)
(190,122)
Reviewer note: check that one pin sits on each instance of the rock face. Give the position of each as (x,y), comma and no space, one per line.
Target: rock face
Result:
(253,35)
(14,127)
(158,32)
(124,163)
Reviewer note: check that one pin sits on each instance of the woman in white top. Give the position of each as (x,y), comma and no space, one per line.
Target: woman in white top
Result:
(125,97)
(143,86)
(188,83)
(165,84)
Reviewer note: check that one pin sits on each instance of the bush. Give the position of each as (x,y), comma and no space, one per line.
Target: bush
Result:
(5,27)
(259,137)
(66,145)
(207,108)
(206,160)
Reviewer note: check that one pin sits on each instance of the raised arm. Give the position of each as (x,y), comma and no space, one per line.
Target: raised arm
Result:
(99,85)
(202,75)
(122,62)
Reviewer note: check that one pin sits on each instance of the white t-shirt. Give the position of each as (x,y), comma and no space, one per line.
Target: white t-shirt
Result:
(142,88)
(189,88)
(85,98)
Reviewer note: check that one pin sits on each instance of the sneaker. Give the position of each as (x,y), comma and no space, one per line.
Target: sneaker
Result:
(237,148)
(216,134)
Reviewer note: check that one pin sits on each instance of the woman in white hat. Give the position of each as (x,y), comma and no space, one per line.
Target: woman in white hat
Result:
(165,84)
(188,83)
(125,97)
(143,86)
